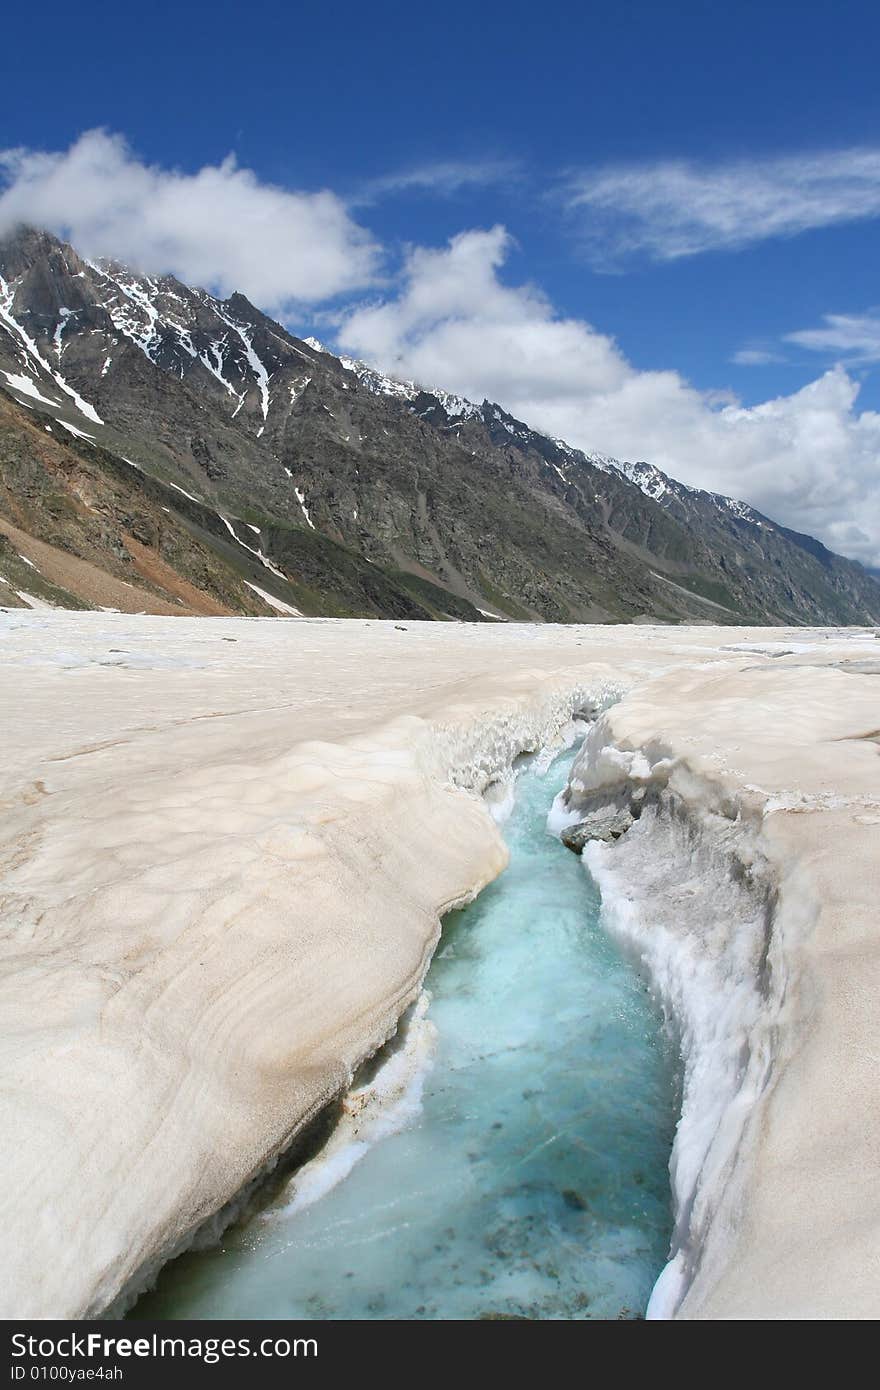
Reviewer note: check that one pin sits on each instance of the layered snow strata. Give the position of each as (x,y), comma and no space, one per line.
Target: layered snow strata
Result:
(282,903)
(747,890)
(687,891)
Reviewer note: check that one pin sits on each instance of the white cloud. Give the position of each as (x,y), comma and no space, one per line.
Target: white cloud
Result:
(672,209)
(220,227)
(756,357)
(809,459)
(442,179)
(457,325)
(853,336)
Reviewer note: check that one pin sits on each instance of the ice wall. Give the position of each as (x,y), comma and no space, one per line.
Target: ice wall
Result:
(689,895)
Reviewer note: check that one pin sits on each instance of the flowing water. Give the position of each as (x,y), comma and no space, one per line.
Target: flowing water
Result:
(531,1179)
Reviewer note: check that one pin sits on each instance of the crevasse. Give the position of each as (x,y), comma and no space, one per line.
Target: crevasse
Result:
(508,1156)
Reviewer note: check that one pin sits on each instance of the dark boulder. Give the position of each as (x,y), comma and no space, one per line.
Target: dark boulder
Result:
(600,825)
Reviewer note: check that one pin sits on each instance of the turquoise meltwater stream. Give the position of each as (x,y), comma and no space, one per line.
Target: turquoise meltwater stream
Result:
(533,1179)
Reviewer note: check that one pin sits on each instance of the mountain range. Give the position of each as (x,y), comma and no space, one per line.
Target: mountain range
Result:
(166,451)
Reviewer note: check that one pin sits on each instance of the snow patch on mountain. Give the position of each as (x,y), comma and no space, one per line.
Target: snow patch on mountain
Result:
(64,315)
(7,303)
(301,499)
(28,387)
(215,367)
(135,315)
(254,550)
(152,314)
(278,604)
(80,434)
(254,362)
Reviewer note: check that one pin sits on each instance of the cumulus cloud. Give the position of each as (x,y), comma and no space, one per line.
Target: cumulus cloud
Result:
(675,208)
(456,324)
(220,227)
(809,459)
(855,337)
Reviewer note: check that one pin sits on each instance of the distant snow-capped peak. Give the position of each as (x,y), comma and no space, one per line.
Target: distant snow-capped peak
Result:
(377,382)
(650,480)
(659,486)
(380,384)
(741,510)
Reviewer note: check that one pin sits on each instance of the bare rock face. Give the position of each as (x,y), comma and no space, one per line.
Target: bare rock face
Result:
(600,825)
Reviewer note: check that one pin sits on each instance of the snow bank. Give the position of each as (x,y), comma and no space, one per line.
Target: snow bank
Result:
(688,894)
(746,891)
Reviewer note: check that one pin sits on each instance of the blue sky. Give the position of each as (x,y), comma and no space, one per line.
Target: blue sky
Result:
(682,188)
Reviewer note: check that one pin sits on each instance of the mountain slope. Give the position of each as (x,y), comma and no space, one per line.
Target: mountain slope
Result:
(337,490)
